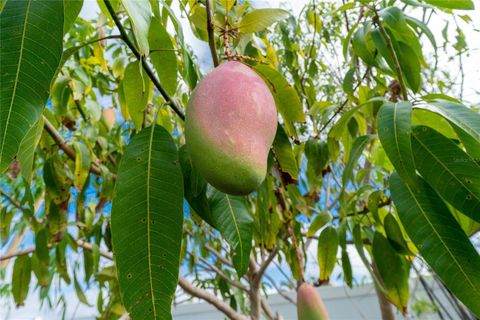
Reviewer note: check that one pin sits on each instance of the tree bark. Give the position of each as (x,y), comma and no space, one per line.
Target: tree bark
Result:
(385,305)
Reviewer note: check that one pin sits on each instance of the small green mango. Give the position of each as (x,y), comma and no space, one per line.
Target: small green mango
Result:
(309,304)
(230,124)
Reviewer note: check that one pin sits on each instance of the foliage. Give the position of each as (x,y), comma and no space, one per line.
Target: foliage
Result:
(375,148)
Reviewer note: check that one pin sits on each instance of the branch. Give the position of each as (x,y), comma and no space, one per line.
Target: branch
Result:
(266,263)
(387,39)
(219,256)
(182,282)
(64,146)
(12,201)
(82,113)
(210,298)
(211,39)
(145,65)
(216,270)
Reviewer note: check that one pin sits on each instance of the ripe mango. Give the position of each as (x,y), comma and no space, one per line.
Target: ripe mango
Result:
(230,124)
(309,304)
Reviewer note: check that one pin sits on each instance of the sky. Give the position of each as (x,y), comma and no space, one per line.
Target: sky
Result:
(201,50)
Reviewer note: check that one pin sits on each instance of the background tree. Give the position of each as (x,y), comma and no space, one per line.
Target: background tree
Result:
(375,149)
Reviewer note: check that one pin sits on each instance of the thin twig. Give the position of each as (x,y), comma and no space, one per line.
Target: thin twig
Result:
(64,146)
(145,65)
(211,34)
(210,298)
(12,201)
(392,53)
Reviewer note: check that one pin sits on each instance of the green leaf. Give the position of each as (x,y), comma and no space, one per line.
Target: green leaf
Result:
(162,55)
(471,145)
(22,272)
(360,45)
(357,149)
(71,10)
(146,223)
(423,28)
(439,238)
(453,4)
(260,19)
(327,252)
(31,51)
(140,14)
(40,269)
(409,64)
(83,160)
(195,187)
(395,283)
(447,169)
(317,155)
(26,151)
(284,153)
(394,121)
(347,83)
(347,269)
(232,219)
(394,18)
(286,98)
(319,221)
(81,296)
(395,235)
(136,86)
(464,118)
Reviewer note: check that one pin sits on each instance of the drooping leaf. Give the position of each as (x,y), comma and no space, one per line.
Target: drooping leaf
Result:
(146,223)
(439,239)
(447,169)
(195,187)
(394,121)
(26,151)
(327,252)
(78,289)
(395,283)
(286,98)
(40,269)
(347,269)
(423,28)
(319,221)
(361,46)
(136,88)
(71,10)
(232,219)
(464,118)
(140,14)
(471,145)
(260,19)
(83,160)
(395,235)
(409,64)
(317,155)
(357,149)
(284,153)
(162,55)
(21,278)
(31,51)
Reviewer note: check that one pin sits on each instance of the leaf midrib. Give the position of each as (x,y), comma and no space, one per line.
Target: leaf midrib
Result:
(16,78)
(149,166)
(403,162)
(441,239)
